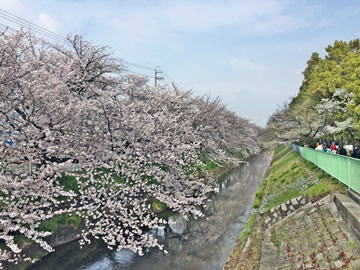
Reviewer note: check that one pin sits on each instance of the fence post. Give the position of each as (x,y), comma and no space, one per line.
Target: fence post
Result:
(348,173)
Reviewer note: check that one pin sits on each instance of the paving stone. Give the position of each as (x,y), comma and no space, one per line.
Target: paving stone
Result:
(294,202)
(320,256)
(314,237)
(338,264)
(267,220)
(312,210)
(283,207)
(247,243)
(355,264)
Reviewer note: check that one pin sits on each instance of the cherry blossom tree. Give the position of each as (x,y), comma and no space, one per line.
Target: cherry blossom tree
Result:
(135,144)
(328,116)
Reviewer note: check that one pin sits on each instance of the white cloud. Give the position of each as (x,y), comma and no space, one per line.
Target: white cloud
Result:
(49,23)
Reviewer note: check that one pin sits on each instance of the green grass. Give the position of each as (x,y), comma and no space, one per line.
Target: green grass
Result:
(248,226)
(69,182)
(278,236)
(237,154)
(209,164)
(324,188)
(55,223)
(158,206)
(22,240)
(286,169)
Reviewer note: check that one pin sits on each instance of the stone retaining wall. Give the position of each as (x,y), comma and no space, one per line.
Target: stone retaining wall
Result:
(350,212)
(279,212)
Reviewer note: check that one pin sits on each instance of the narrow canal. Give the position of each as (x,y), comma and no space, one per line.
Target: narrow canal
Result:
(206,243)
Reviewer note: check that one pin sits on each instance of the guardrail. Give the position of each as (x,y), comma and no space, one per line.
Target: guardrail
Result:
(343,168)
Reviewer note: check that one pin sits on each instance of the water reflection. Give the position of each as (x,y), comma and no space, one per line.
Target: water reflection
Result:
(206,245)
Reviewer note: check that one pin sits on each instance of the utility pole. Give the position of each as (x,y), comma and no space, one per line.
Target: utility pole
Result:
(157,77)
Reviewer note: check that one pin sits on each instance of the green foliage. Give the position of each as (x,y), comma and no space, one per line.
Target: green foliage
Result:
(166,214)
(55,223)
(311,142)
(340,68)
(158,206)
(238,154)
(209,164)
(22,240)
(248,226)
(69,182)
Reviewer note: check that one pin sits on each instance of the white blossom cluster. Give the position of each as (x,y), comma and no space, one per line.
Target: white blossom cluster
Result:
(135,143)
(329,115)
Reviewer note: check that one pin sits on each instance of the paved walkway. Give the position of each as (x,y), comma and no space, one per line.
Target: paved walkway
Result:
(313,237)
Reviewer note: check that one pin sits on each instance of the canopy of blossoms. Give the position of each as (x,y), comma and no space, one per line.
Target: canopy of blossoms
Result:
(135,143)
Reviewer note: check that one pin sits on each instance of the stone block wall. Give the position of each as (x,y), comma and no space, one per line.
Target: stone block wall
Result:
(280,211)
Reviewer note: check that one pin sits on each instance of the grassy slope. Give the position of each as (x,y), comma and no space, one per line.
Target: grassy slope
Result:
(286,169)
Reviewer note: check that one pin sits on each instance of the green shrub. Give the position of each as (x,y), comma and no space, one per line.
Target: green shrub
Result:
(158,206)
(69,182)
(55,223)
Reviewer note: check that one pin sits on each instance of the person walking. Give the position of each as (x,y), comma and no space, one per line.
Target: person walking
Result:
(333,148)
(342,151)
(356,151)
(319,147)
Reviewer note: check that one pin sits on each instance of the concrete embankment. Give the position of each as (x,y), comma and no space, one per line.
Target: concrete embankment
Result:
(302,219)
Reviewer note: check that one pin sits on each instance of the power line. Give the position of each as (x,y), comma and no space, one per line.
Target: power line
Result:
(54,36)
(141,74)
(169,78)
(25,23)
(4,28)
(62,40)
(138,65)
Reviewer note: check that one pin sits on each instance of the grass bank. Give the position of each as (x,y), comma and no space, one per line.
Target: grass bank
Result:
(288,176)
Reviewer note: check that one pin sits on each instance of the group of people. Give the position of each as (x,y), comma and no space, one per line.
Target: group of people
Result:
(340,149)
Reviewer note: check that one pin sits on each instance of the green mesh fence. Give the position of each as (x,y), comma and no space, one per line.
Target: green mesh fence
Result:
(345,169)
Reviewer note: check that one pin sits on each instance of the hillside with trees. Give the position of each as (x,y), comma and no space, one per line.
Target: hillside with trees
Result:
(328,102)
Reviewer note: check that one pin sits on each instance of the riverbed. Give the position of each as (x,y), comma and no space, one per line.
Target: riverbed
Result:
(205,244)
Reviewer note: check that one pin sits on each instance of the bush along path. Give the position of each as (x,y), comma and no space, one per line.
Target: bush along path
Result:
(291,209)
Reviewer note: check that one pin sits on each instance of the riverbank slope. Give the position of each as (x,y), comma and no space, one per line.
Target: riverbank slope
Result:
(288,177)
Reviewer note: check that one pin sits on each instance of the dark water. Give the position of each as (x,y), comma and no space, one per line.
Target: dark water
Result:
(206,245)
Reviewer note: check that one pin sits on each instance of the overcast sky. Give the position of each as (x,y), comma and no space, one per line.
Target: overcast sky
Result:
(250,53)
